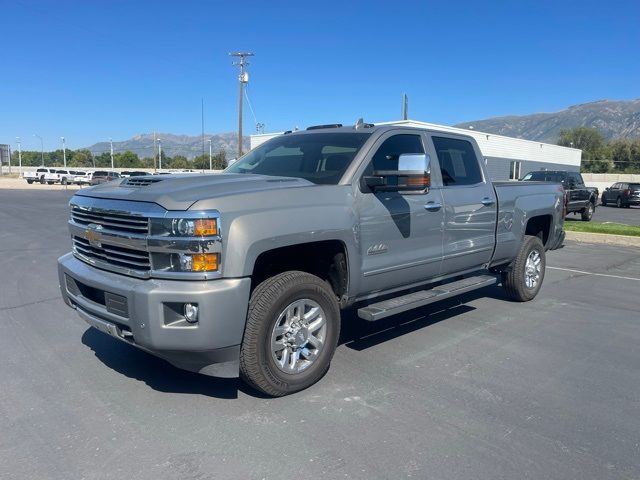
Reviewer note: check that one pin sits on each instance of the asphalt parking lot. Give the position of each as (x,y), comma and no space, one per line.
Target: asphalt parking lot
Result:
(474,388)
(628,216)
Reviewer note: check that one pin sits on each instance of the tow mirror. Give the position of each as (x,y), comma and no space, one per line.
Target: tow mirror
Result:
(413,175)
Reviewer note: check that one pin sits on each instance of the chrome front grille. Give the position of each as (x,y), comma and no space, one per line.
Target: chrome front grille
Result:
(113,255)
(113,221)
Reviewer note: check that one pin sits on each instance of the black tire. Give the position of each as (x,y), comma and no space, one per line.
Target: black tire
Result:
(619,202)
(514,282)
(63,181)
(50,183)
(587,212)
(257,365)
(29,182)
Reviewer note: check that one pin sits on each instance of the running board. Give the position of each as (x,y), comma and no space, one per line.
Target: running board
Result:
(393,306)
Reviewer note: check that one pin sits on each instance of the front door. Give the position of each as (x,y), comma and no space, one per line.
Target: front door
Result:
(400,233)
(470,205)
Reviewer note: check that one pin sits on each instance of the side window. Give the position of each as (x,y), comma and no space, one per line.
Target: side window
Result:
(386,158)
(458,162)
(575,177)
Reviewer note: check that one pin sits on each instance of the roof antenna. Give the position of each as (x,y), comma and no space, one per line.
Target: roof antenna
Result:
(405,106)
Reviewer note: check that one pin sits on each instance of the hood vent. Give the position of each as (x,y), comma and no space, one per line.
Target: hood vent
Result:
(141,181)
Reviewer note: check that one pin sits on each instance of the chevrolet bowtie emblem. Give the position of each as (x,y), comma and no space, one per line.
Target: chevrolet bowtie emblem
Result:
(93,234)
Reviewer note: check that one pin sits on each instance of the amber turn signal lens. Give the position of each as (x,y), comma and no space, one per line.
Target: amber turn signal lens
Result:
(204,262)
(205,227)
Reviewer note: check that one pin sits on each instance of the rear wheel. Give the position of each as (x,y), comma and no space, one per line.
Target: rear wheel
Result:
(587,213)
(29,182)
(522,283)
(619,202)
(292,330)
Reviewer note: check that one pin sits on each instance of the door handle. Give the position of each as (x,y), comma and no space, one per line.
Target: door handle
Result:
(433,206)
(486,201)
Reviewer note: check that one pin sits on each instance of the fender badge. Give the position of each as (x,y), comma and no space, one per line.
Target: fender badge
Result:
(377,249)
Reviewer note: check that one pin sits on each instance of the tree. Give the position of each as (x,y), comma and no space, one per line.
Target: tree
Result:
(220,160)
(201,162)
(589,140)
(127,159)
(179,161)
(80,158)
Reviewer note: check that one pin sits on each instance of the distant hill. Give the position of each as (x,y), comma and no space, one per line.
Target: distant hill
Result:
(172,145)
(614,119)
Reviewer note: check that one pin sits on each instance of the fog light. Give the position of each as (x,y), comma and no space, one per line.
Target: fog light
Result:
(191,312)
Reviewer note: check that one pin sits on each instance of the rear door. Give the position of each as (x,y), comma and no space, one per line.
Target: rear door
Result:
(470,204)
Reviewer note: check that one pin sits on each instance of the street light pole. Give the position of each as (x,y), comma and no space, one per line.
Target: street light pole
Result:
(111,149)
(19,155)
(210,157)
(160,154)
(243,78)
(41,147)
(64,152)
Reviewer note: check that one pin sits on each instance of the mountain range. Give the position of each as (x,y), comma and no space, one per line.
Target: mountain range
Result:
(172,145)
(614,118)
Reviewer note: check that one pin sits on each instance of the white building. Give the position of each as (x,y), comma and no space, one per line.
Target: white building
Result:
(506,158)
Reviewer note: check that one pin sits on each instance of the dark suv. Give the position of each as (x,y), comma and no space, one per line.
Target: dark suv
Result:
(103,177)
(622,194)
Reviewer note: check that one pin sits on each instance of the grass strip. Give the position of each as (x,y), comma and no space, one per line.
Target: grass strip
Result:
(608,228)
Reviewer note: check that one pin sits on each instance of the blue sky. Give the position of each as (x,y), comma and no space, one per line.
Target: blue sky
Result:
(95,69)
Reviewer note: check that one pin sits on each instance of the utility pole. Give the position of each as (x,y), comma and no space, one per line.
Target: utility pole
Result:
(41,147)
(111,149)
(243,78)
(19,154)
(210,157)
(160,154)
(64,153)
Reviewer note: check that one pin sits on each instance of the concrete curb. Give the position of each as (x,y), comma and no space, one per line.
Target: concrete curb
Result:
(621,240)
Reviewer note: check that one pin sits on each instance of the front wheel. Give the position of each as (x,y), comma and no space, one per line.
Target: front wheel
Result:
(29,182)
(41,180)
(64,181)
(587,213)
(619,202)
(604,201)
(522,283)
(292,331)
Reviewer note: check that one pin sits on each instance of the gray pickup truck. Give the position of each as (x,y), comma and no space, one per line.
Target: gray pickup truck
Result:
(247,272)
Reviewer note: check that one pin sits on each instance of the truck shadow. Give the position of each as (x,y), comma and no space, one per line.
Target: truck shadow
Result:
(157,373)
(356,334)
(359,334)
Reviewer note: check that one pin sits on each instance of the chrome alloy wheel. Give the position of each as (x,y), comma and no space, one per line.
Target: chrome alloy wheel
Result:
(298,336)
(532,269)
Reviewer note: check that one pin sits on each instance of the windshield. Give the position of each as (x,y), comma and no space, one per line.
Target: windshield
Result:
(321,158)
(544,177)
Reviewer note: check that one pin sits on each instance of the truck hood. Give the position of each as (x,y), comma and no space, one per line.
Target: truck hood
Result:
(179,192)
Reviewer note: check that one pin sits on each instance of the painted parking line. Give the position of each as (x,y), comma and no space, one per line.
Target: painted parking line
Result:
(593,273)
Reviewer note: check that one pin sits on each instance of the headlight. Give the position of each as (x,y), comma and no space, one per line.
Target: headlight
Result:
(188,227)
(196,225)
(186,244)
